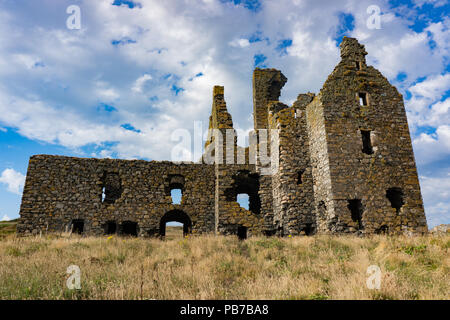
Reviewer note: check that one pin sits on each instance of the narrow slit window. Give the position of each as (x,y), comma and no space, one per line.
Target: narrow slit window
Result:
(366,142)
(362,98)
(356,210)
(300,176)
(358,65)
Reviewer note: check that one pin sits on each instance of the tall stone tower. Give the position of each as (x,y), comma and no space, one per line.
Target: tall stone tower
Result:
(363,166)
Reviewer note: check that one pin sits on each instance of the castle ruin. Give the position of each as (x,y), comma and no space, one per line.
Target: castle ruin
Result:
(346,165)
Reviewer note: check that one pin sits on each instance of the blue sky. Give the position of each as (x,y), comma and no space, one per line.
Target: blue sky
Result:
(137,71)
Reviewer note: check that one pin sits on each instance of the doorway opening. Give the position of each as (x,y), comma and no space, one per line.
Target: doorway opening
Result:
(78,226)
(242,232)
(129,228)
(175,218)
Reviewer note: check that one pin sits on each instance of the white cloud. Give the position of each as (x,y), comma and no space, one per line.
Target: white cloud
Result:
(435,3)
(105,93)
(139,83)
(432,88)
(5,218)
(432,147)
(436,192)
(14,180)
(425,107)
(242,43)
(28,61)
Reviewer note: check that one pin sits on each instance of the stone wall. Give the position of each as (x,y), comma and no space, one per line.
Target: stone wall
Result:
(293,195)
(59,190)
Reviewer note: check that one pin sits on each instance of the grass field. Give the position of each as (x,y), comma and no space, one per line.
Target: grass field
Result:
(7,228)
(218,267)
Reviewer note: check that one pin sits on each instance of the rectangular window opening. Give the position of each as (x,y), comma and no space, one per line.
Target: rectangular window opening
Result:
(367,142)
(111,227)
(242,232)
(300,176)
(362,98)
(176,195)
(356,210)
(78,226)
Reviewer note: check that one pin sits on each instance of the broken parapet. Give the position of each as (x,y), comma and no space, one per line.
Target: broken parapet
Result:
(267,85)
(352,50)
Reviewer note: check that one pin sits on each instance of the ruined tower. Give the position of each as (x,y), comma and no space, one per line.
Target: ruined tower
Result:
(363,166)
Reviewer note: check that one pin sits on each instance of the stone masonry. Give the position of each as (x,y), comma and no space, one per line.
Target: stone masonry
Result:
(345,164)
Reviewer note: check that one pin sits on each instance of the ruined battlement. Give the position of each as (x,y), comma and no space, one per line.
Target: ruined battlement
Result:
(345,164)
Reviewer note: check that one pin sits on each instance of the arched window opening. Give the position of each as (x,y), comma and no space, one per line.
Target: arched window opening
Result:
(111,188)
(175,188)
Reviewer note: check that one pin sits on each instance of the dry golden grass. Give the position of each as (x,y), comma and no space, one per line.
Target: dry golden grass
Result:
(218,267)
(7,228)
(173,233)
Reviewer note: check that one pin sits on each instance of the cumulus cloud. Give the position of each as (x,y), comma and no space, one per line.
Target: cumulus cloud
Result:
(436,192)
(240,43)
(432,88)
(5,218)
(14,180)
(434,3)
(433,147)
(139,83)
